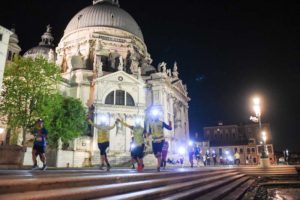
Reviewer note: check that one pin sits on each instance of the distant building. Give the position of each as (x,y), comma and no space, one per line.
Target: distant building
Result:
(225,140)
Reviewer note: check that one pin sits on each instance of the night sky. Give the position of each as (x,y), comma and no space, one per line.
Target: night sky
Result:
(227,51)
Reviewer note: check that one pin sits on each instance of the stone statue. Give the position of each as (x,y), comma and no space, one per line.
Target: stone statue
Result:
(128,62)
(98,66)
(51,56)
(169,73)
(49,28)
(164,67)
(98,46)
(121,64)
(159,67)
(175,70)
(112,61)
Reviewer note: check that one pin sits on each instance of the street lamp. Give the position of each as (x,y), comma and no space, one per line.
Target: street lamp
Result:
(257,119)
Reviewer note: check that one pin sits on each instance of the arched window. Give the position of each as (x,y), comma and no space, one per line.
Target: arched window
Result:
(130,101)
(110,98)
(119,97)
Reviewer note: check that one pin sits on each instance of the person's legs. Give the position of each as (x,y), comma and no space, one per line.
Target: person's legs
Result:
(34,155)
(157,149)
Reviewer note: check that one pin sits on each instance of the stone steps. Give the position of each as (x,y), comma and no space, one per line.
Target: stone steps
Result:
(168,185)
(269,171)
(45,183)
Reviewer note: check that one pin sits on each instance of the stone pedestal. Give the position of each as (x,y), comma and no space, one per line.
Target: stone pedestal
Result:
(265,162)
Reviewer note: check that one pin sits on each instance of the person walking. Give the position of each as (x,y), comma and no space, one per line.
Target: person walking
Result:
(197,154)
(207,158)
(103,140)
(156,129)
(39,144)
(236,158)
(164,154)
(214,156)
(191,154)
(138,132)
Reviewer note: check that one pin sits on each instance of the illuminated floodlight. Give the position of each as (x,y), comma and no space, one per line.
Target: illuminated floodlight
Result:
(104,119)
(155,112)
(230,158)
(213,151)
(227,152)
(264,136)
(190,143)
(256,101)
(132,146)
(181,150)
(138,121)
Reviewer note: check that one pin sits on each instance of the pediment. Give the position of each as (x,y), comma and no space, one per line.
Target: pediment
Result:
(121,77)
(179,86)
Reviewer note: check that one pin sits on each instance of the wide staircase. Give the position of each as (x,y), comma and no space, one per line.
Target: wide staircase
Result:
(281,170)
(174,184)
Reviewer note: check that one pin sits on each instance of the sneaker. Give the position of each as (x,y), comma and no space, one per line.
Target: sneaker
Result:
(108,168)
(101,167)
(44,167)
(139,168)
(34,167)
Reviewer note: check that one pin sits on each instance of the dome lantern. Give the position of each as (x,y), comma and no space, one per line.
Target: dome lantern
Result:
(114,2)
(47,38)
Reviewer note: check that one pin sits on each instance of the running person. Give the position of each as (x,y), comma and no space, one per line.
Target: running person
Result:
(138,142)
(133,160)
(103,140)
(39,144)
(164,154)
(158,138)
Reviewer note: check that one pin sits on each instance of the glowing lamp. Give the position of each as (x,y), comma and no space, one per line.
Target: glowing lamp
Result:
(132,146)
(181,150)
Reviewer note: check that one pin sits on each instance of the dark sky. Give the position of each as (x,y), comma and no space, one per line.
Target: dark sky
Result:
(227,51)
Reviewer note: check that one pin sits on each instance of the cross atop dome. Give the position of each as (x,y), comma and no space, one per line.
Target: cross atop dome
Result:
(114,2)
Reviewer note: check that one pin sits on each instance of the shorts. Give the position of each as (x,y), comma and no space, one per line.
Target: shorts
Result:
(198,157)
(39,149)
(102,147)
(157,147)
(138,152)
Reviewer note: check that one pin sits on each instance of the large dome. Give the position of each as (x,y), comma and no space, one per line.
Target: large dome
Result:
(104,14)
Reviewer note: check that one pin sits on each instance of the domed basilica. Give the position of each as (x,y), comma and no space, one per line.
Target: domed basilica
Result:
(105,63)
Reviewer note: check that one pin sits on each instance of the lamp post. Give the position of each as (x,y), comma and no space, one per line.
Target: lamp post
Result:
(257,119)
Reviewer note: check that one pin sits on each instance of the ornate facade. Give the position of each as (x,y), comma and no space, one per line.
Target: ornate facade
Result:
(105,63)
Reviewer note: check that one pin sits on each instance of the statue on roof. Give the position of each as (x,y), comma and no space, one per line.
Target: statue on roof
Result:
(49,28)
(175,70)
